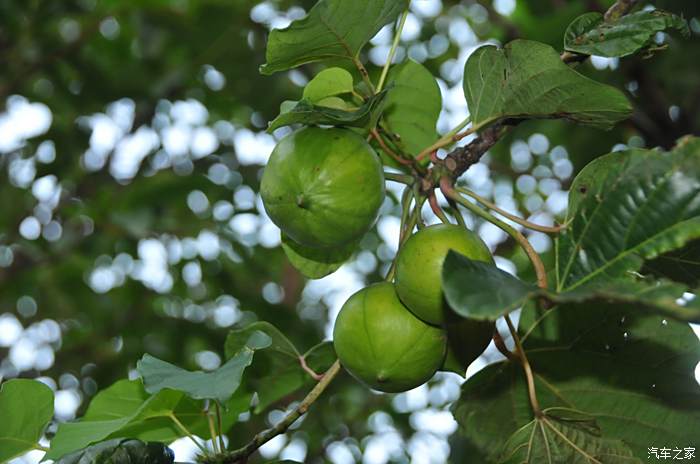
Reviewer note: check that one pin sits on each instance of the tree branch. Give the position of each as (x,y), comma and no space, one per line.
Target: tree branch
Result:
(240,456)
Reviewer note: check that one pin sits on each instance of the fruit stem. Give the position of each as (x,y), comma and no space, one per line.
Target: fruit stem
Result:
(187,433)
(392,51)
(212,432)
(512,217)
(400,178)
(501,346)
(450,192)
(240,455)
(534,402)
(388,150)
(220,427)
(432,200)
(314,375)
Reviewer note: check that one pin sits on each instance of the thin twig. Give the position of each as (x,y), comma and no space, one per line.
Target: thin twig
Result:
(240,455)
(512,217)
(532,393)
(401,178)
(392,51)
(314,375)
(388,150)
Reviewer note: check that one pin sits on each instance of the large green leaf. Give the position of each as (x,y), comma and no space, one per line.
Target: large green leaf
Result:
(26,407)
(413,106)
(111,411)
(277,370)
(628,207)
(631,371)
(527,79)
(125,409)
(315,263)
(332,29)
(328,83)
(591,35)
(121,451)
(219,384)
(477,290)
(564,436)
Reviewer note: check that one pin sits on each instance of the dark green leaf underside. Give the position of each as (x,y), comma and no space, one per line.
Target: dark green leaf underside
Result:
(590,34)
(305,112)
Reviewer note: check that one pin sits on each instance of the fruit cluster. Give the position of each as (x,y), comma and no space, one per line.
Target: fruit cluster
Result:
(323,188)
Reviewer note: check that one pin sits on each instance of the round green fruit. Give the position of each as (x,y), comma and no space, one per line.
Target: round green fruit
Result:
(419,267)
(323,187)
(383,345)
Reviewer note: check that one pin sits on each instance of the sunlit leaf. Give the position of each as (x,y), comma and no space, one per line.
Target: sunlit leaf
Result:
(332,29)
(277,370)
(328,83)
(413,106)
(591,35)
(26,407)
(526,80)
(219,384)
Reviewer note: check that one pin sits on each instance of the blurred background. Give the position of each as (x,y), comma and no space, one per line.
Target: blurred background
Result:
(131,147)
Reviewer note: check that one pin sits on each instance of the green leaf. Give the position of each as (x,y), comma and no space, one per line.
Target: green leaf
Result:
(591,35)
(26,407)
(219,384)
(478,290)
(277,371)
(413,106)
(125,409)
(526,80)
(328,83)
(564,436)
(237,339)
(631,371)
(305,112)
(682,265)
(121,451)
(332,29)
(315,263)
(628,207)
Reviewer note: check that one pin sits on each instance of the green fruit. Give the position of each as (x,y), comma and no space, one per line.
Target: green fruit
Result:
(382,344)
(323,187)
(419,267)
